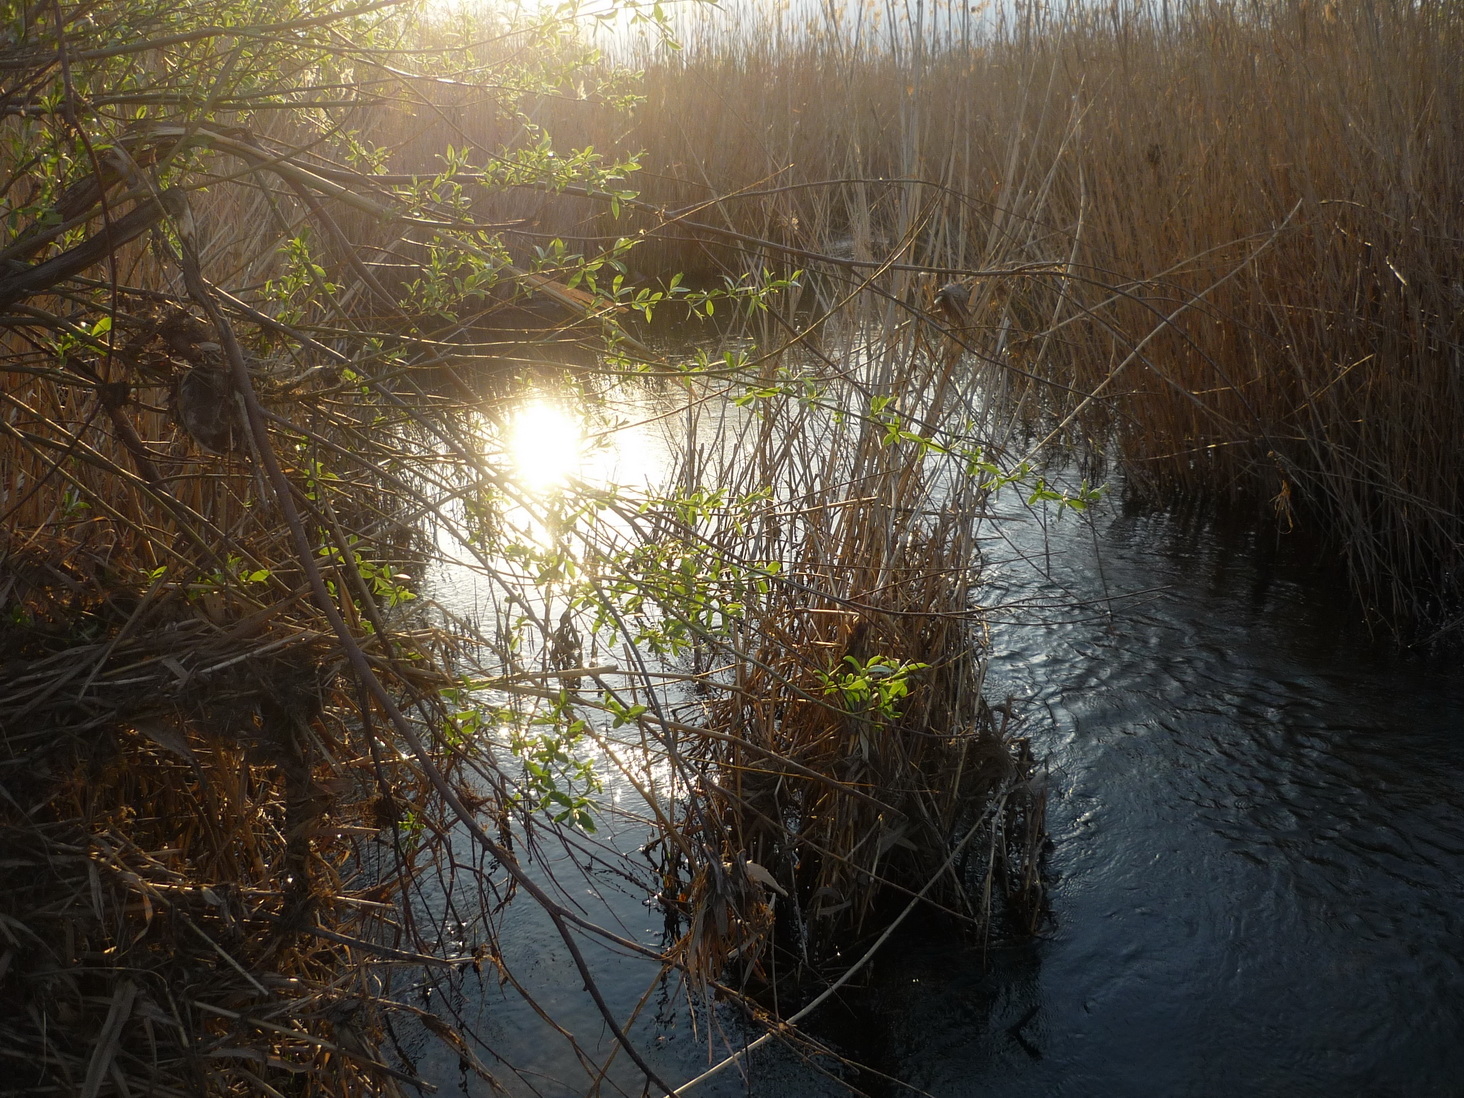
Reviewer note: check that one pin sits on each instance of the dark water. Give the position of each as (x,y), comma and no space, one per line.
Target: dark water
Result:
(1257,820)
(1258,844)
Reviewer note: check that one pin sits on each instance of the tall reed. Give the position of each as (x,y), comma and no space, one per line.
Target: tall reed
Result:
(1230,230)
(845,757)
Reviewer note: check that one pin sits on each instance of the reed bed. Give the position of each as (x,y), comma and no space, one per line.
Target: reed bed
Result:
(1227,233)
(192,902)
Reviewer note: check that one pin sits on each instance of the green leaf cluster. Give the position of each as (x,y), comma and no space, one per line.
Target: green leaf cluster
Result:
(875,687)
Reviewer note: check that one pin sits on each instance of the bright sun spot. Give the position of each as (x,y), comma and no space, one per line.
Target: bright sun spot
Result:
(545,445)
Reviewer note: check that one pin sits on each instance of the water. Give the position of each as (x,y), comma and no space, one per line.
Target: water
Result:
(1258,844)
(1257,823)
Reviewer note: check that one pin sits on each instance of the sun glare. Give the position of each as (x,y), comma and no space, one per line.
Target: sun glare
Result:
(545,445)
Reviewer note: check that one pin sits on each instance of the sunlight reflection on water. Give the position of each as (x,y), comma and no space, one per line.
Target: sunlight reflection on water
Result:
(569,474)
(546,446)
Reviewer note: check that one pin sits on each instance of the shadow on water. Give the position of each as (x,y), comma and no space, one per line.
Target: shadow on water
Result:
(1258,839)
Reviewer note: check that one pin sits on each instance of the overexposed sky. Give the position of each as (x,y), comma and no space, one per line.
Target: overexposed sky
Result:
(873,24)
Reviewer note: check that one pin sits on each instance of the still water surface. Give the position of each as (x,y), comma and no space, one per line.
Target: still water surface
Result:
(1257,822)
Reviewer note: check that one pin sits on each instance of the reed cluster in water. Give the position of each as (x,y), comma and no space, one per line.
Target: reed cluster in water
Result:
(854,763)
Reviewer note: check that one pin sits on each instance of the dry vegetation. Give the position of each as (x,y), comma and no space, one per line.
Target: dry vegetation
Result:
(1229,231)
(256,794)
